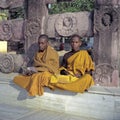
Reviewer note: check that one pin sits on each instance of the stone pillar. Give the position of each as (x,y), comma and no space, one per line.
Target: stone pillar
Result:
(107,42)
(36,14)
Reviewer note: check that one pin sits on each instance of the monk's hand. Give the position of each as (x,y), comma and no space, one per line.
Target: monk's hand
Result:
(30,71)
(64,72)
(78,75)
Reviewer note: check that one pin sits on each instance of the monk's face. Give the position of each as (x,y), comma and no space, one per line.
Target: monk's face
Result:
(75,43)
(43,44)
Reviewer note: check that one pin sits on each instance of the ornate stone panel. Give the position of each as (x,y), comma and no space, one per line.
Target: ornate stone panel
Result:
(104,74)
(6,32)
(67,24)
(31,34)
(106,18)
(32,30)
(12,30)
(12,62)
(6,63)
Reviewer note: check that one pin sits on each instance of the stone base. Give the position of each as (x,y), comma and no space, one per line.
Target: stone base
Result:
(98,103)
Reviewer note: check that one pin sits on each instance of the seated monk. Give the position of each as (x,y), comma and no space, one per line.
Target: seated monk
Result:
(46,63)
(76,69)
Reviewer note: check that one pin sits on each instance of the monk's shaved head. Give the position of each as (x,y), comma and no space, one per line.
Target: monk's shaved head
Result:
(75,42)
(76,36)
(43,36)
(43,42)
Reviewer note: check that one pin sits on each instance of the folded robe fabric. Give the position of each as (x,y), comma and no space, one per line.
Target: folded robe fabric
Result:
(47,64)
(79,63)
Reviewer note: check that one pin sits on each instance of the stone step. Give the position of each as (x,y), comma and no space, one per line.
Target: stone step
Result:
(98,103)
(12,112)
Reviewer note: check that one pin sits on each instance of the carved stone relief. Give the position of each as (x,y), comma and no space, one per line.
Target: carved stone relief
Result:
(32,29)
(12,62)
(106,18)
(6,32)
(103,73)
(6,63)
(106,75)
(12,30)
(31,34)
(66,24)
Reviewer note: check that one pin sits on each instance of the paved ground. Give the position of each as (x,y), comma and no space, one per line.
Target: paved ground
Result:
(99,102)
(9,112)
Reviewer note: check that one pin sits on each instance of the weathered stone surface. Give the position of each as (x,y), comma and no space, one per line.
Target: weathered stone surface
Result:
(6,63)
(11,3)
(12,62)
(12,30)
(106,75)
(50,1)
(107,2)
(20,61)
(18,29)
(106,43)
(69,23)
(3,4)
(15,3)
(6,30)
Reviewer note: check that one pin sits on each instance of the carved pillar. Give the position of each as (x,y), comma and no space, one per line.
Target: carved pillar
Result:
(36,13)
(106,44)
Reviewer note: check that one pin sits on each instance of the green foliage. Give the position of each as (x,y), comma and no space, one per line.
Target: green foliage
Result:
(3,15)
(75,6)
(16,13)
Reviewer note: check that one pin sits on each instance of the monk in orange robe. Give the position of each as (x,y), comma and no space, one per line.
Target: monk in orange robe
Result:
(46,63)
(76,69)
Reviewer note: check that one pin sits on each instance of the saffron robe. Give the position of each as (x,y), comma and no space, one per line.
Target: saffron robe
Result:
(79,63)
(47,64)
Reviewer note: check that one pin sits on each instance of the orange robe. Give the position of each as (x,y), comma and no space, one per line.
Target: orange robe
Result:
(47,64)
(78,63)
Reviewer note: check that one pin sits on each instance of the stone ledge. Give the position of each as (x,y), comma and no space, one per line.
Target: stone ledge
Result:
(113,91)
(96,106)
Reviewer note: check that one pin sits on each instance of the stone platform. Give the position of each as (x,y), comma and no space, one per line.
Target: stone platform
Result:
(99,103)
(11,112)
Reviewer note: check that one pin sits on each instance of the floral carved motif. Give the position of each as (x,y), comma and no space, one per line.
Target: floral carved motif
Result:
(6,63)
(6,30)
(103,74)
(66,24)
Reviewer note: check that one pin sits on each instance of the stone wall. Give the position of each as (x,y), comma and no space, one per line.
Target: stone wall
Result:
(108,2)
(11,3)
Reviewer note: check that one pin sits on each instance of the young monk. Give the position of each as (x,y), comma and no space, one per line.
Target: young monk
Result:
(46,63)
(76,68)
